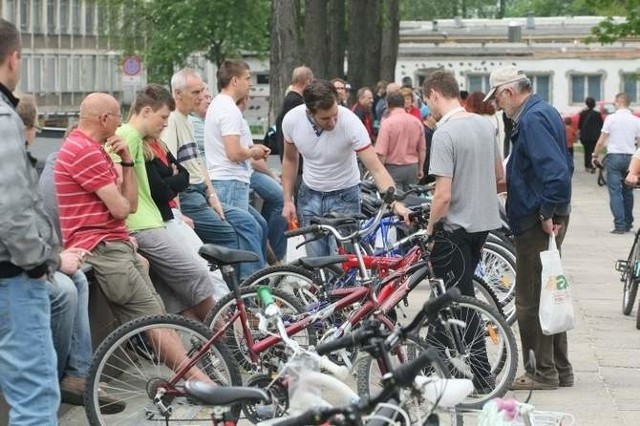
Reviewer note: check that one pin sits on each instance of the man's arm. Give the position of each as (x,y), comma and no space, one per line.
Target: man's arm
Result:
(19,231)
(634,170)
(381,176)
(118,205)
(261,166)
(129,188)
(422,154)
(237,153)
(440,202)
(289,169)
(602,142)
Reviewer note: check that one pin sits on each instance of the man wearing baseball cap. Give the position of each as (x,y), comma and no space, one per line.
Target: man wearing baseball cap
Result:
(539,186)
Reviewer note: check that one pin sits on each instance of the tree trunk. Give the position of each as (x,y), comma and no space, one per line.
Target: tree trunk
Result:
(284,52)
(390,40)
(364,43)
(336,38)
(316,37)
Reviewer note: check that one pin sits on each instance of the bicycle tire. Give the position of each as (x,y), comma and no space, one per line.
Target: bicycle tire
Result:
(234,337)
(630,289)
(485,293)
(296,280)
(368,373)
(499,265)
(497,338)
(136,382)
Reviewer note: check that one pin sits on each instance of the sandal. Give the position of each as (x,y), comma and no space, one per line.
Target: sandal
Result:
(526,382)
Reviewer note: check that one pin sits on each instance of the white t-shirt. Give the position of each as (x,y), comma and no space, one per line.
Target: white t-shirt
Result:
(623,128)
(224,118)
(329,159)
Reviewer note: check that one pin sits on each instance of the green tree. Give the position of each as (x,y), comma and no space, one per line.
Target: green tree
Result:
(174,30)
(610,30)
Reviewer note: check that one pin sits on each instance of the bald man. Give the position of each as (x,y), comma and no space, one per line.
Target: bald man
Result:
(93,203)
(300,79)
(93,206)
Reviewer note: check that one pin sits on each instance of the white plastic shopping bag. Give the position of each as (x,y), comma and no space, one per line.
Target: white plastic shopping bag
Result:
(556,307)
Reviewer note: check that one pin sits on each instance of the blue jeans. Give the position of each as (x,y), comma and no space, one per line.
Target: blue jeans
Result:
(239,231)
(312,203)
(233,193)
(29,379)
(620,196)
(271,193)
(70,323)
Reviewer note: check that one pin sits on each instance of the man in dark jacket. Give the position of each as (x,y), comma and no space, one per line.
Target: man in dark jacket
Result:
(28,254)
(539,186)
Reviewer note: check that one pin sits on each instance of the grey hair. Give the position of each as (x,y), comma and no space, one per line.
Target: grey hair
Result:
(522,86)
(179,79)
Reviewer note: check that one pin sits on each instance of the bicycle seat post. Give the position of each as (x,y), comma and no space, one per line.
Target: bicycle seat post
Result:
(231,278)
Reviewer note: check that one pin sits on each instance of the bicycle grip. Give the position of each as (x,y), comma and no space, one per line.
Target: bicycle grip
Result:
(406,373)
(301,231)
(347,341)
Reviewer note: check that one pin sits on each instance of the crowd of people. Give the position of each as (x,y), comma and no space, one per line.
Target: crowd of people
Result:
(136,198)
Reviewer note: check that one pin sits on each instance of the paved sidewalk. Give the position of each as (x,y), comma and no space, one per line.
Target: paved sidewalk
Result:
(605,345)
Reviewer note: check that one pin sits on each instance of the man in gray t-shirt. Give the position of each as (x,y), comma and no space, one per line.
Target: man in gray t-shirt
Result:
(466,162)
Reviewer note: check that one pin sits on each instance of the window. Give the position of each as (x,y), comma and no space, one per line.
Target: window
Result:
(630,86)
(63,78)
(103,17)
(76,74)
(76,17)
(90,18)
(37,74)
(88,73)
(262,78)
(24,15)
(24,74)
(542,86)
(38,25)
(10,10)
(52,16)
(584,85)
(64,16)
(478,83)
(50,73)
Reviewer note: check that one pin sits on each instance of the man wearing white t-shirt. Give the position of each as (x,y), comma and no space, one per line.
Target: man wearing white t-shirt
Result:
(619,134)
(328,137)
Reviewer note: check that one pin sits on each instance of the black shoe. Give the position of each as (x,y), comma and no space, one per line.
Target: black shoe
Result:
(618,231)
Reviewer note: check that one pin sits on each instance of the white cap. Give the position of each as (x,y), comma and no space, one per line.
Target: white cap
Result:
(502,76)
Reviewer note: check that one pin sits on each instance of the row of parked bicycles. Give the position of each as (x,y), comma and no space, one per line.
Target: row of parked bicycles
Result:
(289,345)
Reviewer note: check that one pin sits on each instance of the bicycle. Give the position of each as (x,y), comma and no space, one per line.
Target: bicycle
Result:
(131,365)
(414,380)
(396,286)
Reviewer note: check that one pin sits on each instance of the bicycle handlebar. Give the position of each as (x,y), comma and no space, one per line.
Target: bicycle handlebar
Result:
(406,373)
(352,339)
(431,308)
(310,417)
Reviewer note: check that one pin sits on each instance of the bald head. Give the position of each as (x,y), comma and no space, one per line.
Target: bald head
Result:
(99,116)
(392,87)
(302,75)
(96,104)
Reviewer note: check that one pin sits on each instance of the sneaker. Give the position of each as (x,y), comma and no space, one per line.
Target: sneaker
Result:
(72,392)
(617,231)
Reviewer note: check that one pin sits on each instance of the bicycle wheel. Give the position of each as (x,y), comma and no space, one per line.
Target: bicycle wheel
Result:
(128,367)
(484,349)
(369,376)
(224,310)
(295,280)
(630,289)
(485,293)
(498,267)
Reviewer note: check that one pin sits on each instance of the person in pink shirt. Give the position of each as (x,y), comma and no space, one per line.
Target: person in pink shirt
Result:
(401,143)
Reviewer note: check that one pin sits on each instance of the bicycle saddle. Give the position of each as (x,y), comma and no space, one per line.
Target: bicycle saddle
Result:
(226,256)
(338,219)
(224,395)
(321,262)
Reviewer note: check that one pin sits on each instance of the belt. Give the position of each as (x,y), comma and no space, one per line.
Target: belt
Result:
(9,270)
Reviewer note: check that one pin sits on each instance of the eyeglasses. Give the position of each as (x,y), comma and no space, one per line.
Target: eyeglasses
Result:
(118,116)
(500,92)
(340,88)
(35,127)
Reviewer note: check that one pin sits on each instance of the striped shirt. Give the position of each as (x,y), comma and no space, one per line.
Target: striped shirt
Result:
(198,133)
(82,168)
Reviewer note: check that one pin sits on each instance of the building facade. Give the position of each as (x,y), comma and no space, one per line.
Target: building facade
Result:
(66,55)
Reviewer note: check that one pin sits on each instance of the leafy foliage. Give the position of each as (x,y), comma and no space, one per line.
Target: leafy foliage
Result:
(167,32)
(610,30)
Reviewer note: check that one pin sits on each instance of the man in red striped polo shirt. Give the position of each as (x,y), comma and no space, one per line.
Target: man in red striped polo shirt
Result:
(93,204)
